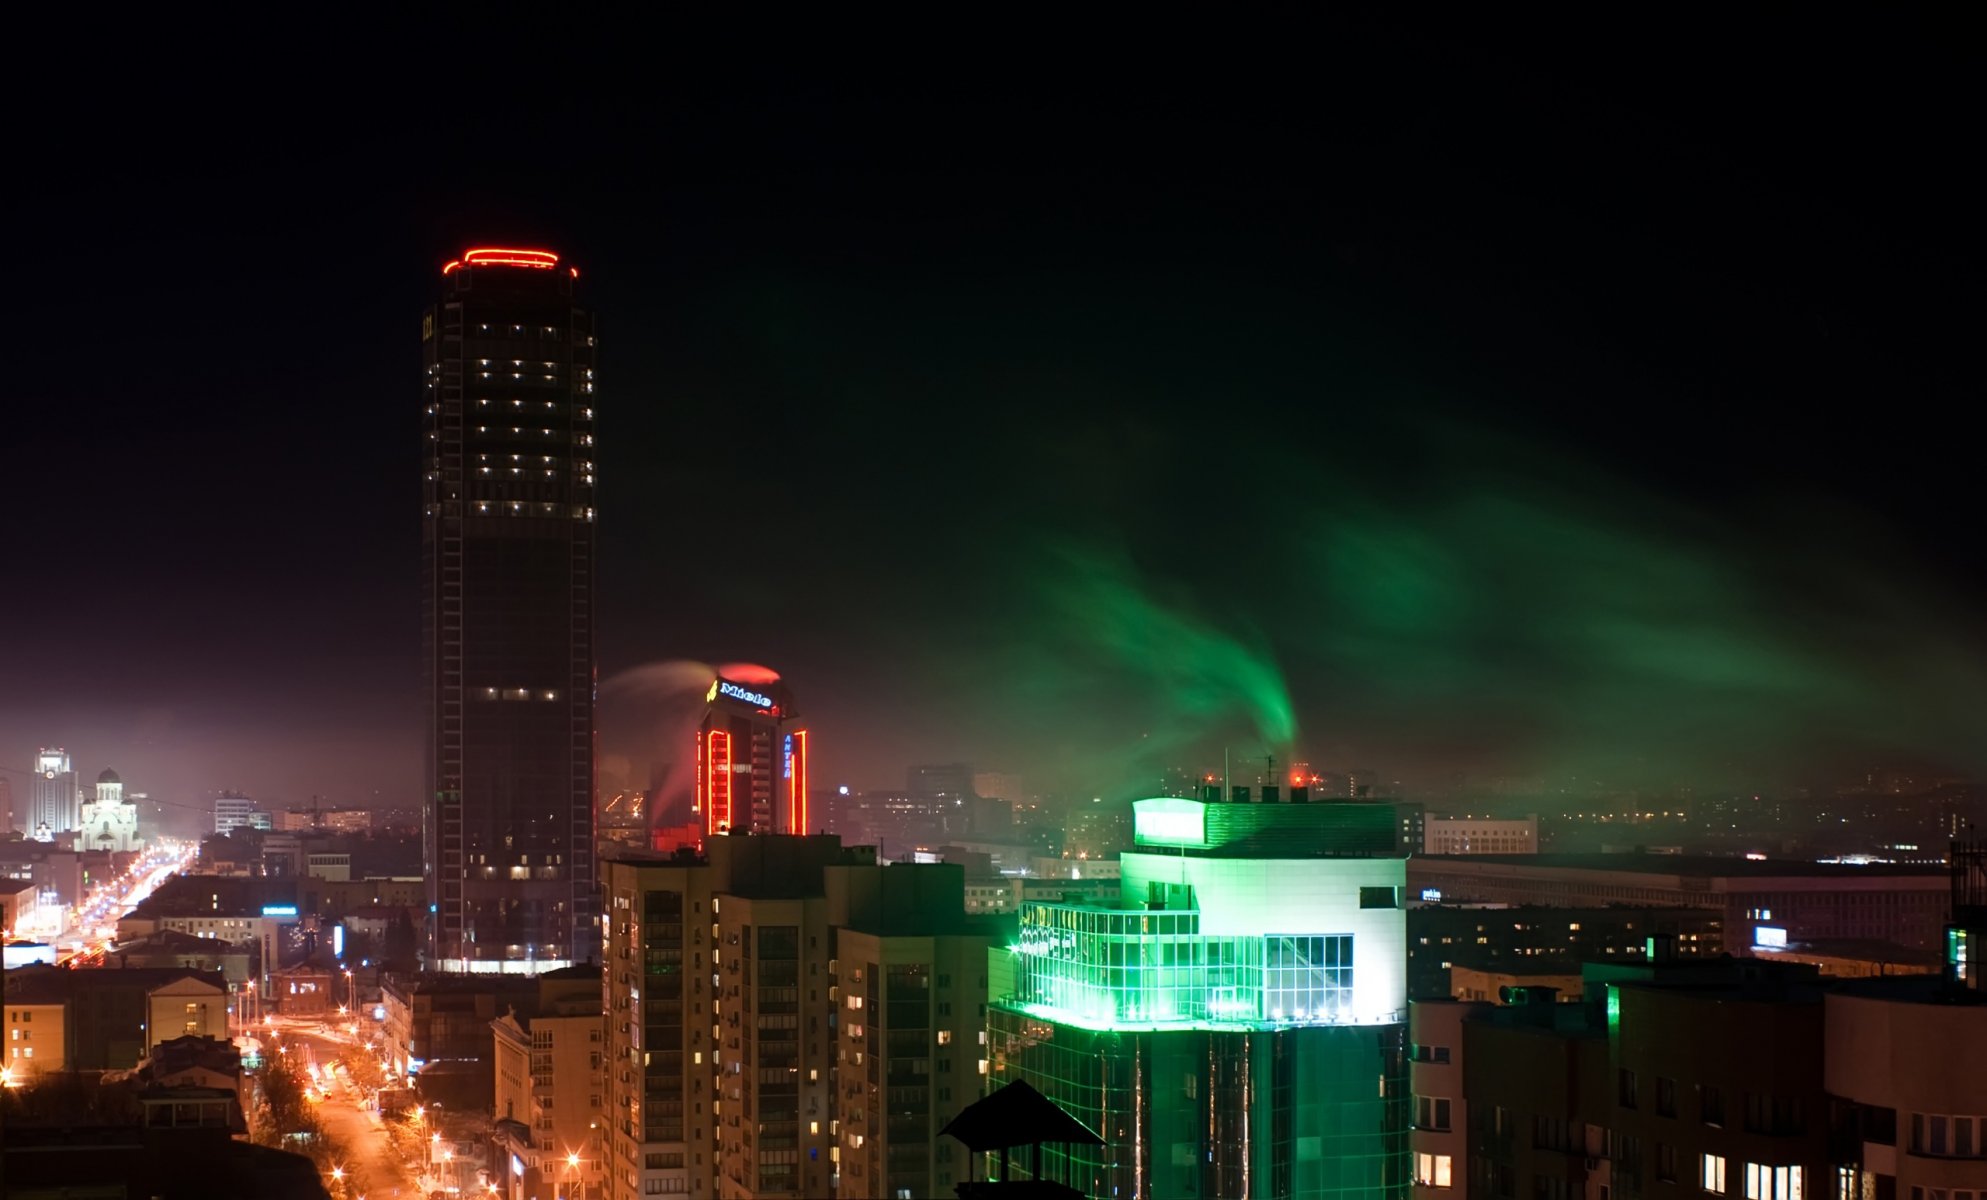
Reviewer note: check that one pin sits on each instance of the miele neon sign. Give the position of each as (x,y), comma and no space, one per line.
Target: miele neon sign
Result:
(725,687)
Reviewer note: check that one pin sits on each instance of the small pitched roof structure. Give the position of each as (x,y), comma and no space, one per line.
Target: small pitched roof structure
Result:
(1016,1115)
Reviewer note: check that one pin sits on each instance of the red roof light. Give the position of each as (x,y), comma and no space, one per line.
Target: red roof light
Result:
(491,256)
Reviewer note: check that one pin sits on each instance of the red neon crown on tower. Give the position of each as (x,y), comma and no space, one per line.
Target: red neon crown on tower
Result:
(497,256)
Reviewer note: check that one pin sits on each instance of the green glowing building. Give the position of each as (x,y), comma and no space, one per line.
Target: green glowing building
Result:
(1235,1025)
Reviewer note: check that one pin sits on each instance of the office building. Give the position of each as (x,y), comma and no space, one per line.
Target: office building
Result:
(54,806)
(508,570)
(1234,1024)
(1530,941)
(232,811)
(733,978)
(751,759)
(1904,905)
(1481,835)
(951,780)
(550,1121)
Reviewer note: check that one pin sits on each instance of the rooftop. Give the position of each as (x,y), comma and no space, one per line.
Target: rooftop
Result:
(43,983)
(1684,866)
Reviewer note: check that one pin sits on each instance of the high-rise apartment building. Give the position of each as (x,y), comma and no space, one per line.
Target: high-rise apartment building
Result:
(911,982)
(1234,1024)
(741,1034)
(508,567)
(53,804)
(752,759)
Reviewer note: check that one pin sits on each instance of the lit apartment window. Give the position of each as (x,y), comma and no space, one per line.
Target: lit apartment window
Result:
(1772,1183)
(1432,1170)
(1711,1174)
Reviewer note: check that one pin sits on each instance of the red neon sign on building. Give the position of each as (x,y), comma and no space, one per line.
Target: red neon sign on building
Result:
(717,781)
(495,256)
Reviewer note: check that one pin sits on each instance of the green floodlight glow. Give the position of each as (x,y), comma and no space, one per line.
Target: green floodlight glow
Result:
(1103,968)
(1169,821)
(1614,1008)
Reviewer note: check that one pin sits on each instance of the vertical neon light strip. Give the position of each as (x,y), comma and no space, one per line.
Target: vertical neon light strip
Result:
(797,794)
(718,760)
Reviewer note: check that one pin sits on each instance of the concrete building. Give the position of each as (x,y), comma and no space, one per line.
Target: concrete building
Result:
(437,1026)
(1905,905)
(550,1074)
(1671,1080)
(1493,940)
(1481,835)
(111,1019)
(1224,1024)
(911,982)
(728,994)
(1440,1108)
(232,811)
(20,908)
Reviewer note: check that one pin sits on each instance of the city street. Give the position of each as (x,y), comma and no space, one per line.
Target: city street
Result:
(368,1149)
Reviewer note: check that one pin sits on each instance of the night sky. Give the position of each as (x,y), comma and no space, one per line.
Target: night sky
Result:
(1570,400)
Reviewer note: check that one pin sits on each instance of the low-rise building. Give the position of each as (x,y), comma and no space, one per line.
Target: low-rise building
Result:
(111,1019)
(437,1026)
(549,1070)
(1905,905)
(1532,939)
(1480,835)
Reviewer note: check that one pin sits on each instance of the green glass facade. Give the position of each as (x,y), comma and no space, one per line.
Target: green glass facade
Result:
(1116,967)
(1234,1026)
(1313,1112)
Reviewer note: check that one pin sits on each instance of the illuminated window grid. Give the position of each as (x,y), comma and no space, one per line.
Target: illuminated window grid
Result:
(1103,966)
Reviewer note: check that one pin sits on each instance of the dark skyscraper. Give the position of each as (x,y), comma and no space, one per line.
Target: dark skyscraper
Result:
(508,537)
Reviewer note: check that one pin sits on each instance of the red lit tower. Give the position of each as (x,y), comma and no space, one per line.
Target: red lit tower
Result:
(751,759)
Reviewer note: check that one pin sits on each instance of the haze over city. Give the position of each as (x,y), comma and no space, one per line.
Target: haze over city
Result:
(1378,609)
(1453,405)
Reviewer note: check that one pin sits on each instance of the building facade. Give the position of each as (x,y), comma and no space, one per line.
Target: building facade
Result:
(1480,835)
(232,811)
(54,805)
(751,759)
(549,1099)
(508,570)
(1805,901)
(108,822)
(1532,940)
(1235,1023)
(733,981)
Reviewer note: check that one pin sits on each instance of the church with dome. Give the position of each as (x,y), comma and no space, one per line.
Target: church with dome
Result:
(109,822)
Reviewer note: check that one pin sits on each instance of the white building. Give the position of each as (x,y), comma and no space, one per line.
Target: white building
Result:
(52,798)
(108,822)
(232,811)
(1481,835)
